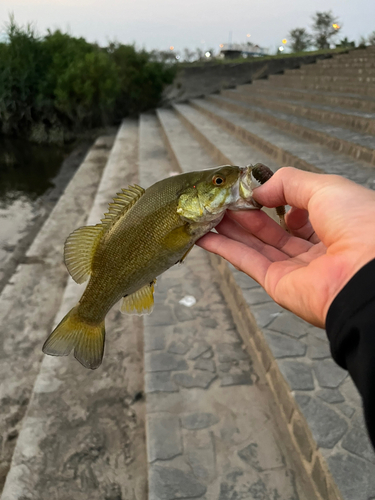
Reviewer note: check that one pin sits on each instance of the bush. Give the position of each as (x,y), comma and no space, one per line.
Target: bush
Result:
(87,90)
(21,70)
(56,85)
(142,79)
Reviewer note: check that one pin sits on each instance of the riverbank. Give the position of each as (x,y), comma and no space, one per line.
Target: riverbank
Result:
(30,188)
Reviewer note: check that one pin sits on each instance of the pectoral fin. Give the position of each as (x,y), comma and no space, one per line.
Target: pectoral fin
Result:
(185,255)
(140,302)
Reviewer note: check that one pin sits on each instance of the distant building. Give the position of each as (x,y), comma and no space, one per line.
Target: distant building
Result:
(233,50)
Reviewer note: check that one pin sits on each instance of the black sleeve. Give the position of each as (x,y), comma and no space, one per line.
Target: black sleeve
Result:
(350,326)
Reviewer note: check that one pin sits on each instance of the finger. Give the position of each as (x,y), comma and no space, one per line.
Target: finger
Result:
(298,222)
(291,186)
(229,228)
(244,258)
(264,228)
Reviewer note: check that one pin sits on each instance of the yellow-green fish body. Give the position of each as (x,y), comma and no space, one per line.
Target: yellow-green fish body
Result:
(144,233)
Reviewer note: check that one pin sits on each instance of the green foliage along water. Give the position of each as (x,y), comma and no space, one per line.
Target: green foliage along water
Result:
(55,86)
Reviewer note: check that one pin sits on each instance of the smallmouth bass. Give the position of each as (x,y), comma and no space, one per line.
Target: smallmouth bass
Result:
(144,233)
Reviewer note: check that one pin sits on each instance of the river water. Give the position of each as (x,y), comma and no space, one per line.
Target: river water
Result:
(32,178)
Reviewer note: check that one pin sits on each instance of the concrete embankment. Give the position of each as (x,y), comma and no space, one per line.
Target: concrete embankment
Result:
(22,219)
(31,298)
(83,435)
(199,81)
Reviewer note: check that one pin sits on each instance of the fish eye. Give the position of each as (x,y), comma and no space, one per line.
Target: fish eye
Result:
(218,180)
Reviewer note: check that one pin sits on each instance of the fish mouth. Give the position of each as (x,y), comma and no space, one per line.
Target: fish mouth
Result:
(242,191)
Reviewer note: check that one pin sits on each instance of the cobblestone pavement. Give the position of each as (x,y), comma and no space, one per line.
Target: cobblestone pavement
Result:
(323,391)
(209,417)
(211,433)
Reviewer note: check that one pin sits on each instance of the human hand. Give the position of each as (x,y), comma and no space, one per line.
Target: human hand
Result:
(332,235)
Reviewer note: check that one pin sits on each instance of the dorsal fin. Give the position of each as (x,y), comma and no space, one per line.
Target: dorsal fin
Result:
(121,204)
(79,250)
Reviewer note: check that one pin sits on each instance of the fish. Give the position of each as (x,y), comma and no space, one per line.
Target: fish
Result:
(144,233)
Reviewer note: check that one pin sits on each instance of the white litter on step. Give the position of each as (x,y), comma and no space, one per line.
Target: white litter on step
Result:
(188,301)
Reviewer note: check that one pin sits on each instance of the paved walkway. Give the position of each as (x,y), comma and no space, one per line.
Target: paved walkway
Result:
(211,431)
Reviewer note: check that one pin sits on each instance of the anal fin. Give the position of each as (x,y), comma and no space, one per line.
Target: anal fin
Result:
(140,302)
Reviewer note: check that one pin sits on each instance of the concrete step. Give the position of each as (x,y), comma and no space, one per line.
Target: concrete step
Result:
(347,101)
(83,435)
(320,403)
(338,78)
(325,405)
(314,70)
(363,60)
(367,52)
(30,300)
(357,121)
(365,55)
(310,156)
(208,403)
(356,145)
(358,88)
(185,153)
(344,64)
(152,154)
(234,148)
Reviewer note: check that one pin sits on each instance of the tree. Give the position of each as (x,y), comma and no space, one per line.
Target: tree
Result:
(325,28)
(189,55)
(371,38)
(362,44)
(346,44)
(300,40)
(200,54)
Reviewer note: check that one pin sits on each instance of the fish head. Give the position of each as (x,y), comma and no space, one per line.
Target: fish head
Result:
(208,193)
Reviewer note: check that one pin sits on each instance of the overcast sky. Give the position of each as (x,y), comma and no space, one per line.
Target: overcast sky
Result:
(187,23)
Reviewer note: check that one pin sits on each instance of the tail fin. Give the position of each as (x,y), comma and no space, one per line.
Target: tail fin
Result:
(86,339)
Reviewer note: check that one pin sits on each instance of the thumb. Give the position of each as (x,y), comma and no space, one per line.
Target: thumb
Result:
(290,186)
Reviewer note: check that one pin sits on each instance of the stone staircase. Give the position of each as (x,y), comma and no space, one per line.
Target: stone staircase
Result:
(220,393)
